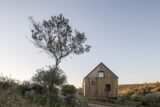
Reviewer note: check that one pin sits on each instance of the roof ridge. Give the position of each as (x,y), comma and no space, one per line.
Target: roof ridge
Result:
(101,63)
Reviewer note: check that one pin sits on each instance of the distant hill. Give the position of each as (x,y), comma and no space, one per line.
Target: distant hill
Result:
(139,88)
(129,85)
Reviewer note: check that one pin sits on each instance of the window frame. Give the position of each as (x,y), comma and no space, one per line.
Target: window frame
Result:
(107,88)
(100,76)
(93,82)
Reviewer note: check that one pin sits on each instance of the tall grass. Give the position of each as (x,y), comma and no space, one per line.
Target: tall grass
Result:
(11,96)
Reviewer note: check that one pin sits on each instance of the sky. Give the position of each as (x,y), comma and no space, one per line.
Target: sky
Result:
(124,35)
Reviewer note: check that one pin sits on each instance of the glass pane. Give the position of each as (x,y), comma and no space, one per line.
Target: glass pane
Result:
(100,74)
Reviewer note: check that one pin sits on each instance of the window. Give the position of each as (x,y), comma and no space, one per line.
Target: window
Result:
(93,82)
(101,74)
(107,87)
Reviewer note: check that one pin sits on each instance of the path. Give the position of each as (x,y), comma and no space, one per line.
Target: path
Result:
(96,105)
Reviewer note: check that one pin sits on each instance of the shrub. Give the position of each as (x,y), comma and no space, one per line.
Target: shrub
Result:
(7,82)
(39,99)
(137,97)
(157,89)
(125,97)
(150,99)
(68,89)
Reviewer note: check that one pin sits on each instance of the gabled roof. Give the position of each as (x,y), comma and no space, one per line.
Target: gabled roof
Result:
(97,67)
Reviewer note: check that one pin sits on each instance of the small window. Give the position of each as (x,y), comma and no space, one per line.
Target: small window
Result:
(93,82)
(107,87)
(101,74)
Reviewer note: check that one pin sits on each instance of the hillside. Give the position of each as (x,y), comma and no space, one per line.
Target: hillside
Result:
(139,88)
(147,94)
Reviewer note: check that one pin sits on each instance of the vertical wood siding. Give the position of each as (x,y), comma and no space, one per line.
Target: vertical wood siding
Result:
(97,90)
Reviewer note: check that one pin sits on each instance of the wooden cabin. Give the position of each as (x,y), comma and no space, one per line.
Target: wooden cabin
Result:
(101,83)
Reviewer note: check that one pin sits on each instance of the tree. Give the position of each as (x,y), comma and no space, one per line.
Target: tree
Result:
(55,37)
(48,77)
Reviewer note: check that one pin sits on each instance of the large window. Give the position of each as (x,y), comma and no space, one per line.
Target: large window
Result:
(101,74)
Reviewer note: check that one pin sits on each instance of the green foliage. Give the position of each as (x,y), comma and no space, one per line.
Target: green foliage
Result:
(137,97)
(68,89)
(151,99)
(56,37)
(44,77)
(125,97)
(26,83)
(69,92)
(37,99)
(7,82)
(12,98)
(50,78)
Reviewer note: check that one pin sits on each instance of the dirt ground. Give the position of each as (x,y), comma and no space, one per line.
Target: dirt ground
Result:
(96,105)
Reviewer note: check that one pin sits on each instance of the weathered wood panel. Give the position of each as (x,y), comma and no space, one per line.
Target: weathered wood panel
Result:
(98,88)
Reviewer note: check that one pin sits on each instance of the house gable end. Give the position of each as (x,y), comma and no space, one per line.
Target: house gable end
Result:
(101,64)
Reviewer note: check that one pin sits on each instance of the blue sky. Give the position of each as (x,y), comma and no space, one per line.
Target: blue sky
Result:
(124,35)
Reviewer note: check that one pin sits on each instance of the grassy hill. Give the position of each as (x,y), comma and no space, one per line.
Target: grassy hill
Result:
(148,93)
(139,88)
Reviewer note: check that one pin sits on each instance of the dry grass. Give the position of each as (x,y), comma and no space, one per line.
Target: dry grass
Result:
(10,98)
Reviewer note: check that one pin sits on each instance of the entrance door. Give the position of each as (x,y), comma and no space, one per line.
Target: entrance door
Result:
(107,89)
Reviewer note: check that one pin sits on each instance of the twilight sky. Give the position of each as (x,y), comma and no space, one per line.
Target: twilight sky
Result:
(124,35)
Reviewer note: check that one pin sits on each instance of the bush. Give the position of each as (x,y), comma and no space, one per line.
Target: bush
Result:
(125,97)
(68,89)
(39,99)
(7,82)
(150,99)
(157,89)
(137,97)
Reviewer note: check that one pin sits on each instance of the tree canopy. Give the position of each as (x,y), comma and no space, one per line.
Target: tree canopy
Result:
(49,77)
(56,37)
